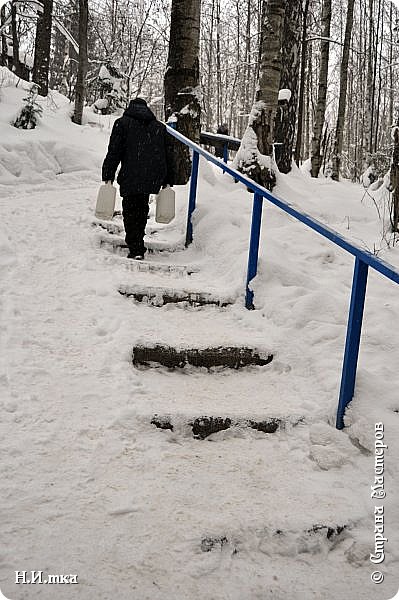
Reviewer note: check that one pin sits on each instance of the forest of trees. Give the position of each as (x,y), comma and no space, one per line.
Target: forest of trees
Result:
(226,60)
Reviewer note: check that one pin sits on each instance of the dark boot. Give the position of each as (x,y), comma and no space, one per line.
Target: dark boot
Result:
(135,256)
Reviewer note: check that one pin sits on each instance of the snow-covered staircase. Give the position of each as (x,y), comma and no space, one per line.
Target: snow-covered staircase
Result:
(241,497)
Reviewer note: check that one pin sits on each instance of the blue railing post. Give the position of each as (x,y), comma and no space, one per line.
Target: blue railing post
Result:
(192,197)
(253,247)
(352,343)
(225,152)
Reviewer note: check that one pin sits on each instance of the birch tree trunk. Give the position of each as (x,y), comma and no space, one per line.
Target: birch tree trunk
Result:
(316,157)
(309,112)
(339,131)
(80,87)
(298,146)
(254,157)
(391,41)
(287,112)
(370,93)
(64,87)
(219,117)
(394,181)
(42,47)
(181,82)
(209,67)
(247,67)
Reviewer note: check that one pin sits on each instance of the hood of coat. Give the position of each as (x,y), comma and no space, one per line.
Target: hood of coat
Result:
(139,110)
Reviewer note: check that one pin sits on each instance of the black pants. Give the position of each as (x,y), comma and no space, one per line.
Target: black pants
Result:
(135,213)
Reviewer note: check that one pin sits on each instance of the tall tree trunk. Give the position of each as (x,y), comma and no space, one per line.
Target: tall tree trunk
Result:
(64,87)
(287,112)
(322,88)
(181,82)
(42,47)
(377,67)
(80,88)
(15,41)
(4,46)
(394,180)
(247,66)
(298,146)
(218,67)
(370,92)
(209,115)
(309,116)
(391,42)
(339,131)
(254,157)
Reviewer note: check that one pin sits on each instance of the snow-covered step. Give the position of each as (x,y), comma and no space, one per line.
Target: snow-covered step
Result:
(117,242)
(232,357)
(114,227)
(158,296)
(201,427)
(317,537)
(152,266)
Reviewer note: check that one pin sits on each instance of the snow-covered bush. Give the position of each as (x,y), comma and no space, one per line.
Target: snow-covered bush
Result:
(30,113)
(379,164)
(109,86)
(368,177)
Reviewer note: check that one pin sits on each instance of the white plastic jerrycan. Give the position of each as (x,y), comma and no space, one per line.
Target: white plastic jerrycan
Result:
(105,201)
(165,209)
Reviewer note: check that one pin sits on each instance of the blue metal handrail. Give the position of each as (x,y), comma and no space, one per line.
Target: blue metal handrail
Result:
(363,260)
(218,139)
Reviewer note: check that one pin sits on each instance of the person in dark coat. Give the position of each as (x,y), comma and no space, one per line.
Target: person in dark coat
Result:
(140,143)
(223,130)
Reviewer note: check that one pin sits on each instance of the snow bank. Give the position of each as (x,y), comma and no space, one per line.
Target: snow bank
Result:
(56,147)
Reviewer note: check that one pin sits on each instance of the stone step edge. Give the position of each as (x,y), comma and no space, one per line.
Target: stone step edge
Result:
(232,357)
(158,296)
(204,426)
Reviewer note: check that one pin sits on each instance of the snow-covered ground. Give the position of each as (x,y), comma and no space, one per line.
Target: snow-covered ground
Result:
(89,486)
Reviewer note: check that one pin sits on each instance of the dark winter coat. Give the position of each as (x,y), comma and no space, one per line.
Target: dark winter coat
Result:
(140,143)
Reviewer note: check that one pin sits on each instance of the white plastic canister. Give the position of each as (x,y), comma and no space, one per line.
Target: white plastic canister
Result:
(106,201)
(165,205)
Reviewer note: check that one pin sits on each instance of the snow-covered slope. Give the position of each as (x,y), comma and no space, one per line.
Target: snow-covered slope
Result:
(90,486)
